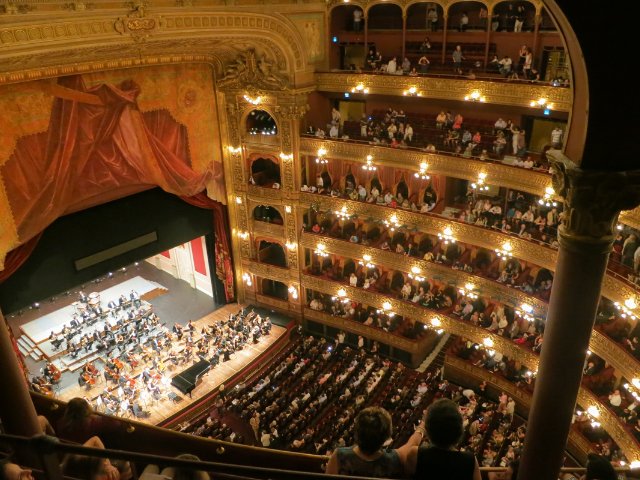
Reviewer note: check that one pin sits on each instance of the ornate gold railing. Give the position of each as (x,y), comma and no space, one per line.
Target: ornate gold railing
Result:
(613,288)
(517,178)
(264,270)
(631,218)
(267,229)
(366,331)
(260,194)
(486,287)
(501,93)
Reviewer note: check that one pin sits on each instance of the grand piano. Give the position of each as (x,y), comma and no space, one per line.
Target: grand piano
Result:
(187,380)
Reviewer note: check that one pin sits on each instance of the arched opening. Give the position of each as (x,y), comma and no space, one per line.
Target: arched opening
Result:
(385,17)
(350,182)
(430,197)
(272,253)
(348,268)
(345,53)
(513,17)
(546,22)
(397,281)
(266,213)
(265,172)
(260,122)
(402,191)
(376,183)
(468,17)
(421,16)
(326,180)
(273,288)
(345,19)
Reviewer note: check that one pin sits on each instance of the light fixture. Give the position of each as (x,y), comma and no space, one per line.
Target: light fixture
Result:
(290,245)
(342,293)
(369,166)
(593,413)
(293,291)
(360,88)
(392,223)
(286,156)
(252,100)
(619,226)
(525,311)
(447,236)
(468,291)
(547,200)
(479,184)
(627,308)
(287,208)
(436,322)
(541,103)
(488,345)
(412,92)
(366,261)
(386,306)
(320,250)
(633,388)
(475,96)
(505,251)
(422,174)
(634,465)
(247,279)
(238,199)
(415,274)
(342,214)
(243,235)
(341,296)
(320,159)
(234,150)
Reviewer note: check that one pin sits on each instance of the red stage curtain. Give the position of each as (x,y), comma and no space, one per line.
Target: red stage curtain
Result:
(224,261)
(98,141)
(16,257)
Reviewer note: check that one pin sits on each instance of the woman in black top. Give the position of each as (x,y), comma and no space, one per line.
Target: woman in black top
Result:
(440,460)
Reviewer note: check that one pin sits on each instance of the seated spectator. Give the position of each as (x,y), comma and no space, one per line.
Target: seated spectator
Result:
(13,471)
(175,473)
(444,430)
(423,63)
(79,423)
(599,468)
(367,457)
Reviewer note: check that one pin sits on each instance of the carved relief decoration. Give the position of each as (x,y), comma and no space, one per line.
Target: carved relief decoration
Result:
(252,71)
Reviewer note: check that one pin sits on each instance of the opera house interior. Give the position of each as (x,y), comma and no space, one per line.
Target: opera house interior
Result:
(306,238)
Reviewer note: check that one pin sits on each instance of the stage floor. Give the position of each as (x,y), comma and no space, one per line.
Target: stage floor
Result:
(164,408)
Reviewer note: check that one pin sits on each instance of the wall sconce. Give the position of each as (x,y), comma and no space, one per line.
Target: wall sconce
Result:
(234,150)
(291,246)
(293,291)
(341,296)
(630,304)
(593,413)
(547,200)
(392,223)
(369,166)
(243,235)
(285,157)
(342,214)
(412,92)
(479,184)
(633,388)
(320,159)
(366,261)
(288,209)
(475,96)
(247,279)
(447,236)
(541,103)
(415,274)
(360,88)
(488,345)
(320,250)
(238,199)
(467,291)
(634,465)
(505,251)
(422,174)
(252,100)
(525,312)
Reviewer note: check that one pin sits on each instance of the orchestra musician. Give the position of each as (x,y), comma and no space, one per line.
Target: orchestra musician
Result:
(52,373)
(40,385)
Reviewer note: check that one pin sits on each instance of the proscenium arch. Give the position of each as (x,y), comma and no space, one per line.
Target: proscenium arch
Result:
(274,33)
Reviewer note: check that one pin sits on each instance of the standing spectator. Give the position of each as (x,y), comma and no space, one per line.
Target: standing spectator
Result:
(457,59)
(364,123)
(528,62)
(423,62)
(392,66)
(336,117)
(522,56)
(556,137)
(406,66)
(357,20)
(432,19)
(464,22)
(505,66)
(408,133)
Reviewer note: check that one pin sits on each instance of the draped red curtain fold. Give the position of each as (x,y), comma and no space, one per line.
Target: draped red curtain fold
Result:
(16,257)
(224,260)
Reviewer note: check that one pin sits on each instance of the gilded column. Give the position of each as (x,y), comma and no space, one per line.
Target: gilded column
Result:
(592,202)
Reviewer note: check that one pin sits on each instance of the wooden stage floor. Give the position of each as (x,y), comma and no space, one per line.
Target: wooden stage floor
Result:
(165,407)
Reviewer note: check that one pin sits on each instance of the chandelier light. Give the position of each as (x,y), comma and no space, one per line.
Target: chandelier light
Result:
(412,92)
(488,345)
(243,235)
(627,308)
(341,296)
(360,88)
(290,245)
(321,250)
(238,199)
(436,323)
(286,156)
(320,159)
(505,251)
(525,311)
(342,214)
(366,261)
(547,200)
(633,388)
(370,167)
(293,291)
(253,100)
(392,223)
(415,274)
(475,96)
(479,184)
(468,291)
(541,103)
(247,279)
(422,174)
(592,413)
(234,150)
(447,236)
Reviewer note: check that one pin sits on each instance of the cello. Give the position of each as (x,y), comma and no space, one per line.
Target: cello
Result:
(54,372)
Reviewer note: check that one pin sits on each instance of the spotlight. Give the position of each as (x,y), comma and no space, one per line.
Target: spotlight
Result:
(136,264)
(36,305)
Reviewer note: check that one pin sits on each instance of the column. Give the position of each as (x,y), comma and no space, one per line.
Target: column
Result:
(365,17)
(444,37)
(487,39)
(17,412)
(404,34)
(536,34)
(592,202)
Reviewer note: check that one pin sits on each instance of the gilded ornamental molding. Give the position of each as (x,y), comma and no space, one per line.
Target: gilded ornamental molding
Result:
(261,194)
(500,93)
(366,331)
(267,229)
(264,270)
(631,218)
(517,178)
(394,261)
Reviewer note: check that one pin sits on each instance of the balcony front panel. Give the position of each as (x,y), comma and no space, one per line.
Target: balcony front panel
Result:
(517,178)
(515,94)
(272,230)
(265,270)
(631,218)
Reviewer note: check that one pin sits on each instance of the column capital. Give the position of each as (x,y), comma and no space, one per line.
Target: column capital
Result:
(592,202)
